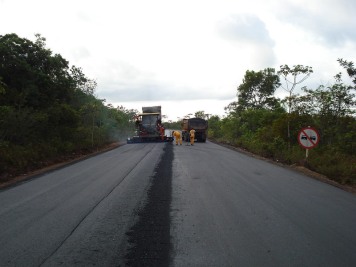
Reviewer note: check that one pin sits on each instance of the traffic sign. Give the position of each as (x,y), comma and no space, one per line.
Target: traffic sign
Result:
(308,137)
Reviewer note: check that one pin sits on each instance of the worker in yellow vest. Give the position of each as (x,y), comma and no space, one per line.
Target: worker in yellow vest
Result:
(178,137)
(192,136)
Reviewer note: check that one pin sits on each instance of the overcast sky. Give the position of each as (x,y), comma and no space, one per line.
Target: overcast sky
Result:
(186,55)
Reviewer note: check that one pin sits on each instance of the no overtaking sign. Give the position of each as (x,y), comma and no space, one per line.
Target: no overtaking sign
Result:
(308,138)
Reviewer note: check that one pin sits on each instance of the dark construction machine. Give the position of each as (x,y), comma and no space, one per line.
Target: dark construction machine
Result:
(149,127)
(199,125)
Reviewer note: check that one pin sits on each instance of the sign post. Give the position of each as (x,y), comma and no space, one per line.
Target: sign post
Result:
(308,138)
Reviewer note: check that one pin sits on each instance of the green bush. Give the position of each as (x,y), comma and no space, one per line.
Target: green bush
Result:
(334,164)
(266,135)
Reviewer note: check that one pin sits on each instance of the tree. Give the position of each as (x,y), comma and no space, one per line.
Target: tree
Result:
(290,76)
(351,71)
(214,129)
(200,114)
(336,100)
(125,122)
(231,108)
(257,90)
(81,82)
(331,106)
(32,75)
(48,109)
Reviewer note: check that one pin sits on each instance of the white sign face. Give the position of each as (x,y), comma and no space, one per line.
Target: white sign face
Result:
(308,137)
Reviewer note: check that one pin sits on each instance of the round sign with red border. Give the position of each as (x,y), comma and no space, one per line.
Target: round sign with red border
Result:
(308,137)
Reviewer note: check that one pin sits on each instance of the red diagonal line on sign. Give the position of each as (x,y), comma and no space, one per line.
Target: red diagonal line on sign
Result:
(311,141)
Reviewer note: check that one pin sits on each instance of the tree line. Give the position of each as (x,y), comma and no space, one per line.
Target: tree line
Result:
(48,109)
(266,125)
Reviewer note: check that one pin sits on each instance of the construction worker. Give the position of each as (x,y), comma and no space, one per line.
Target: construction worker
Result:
(161,131)
(178,137)
(192,136)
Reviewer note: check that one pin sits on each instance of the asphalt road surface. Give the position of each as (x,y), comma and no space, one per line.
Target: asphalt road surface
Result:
(166,205)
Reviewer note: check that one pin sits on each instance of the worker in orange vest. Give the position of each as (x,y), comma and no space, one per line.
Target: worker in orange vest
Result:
(192,136)
(178,137)
(161,131)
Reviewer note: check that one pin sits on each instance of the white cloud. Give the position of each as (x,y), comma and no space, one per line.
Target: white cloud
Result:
(330,22)
(249,33)
(186,53)
(244,28)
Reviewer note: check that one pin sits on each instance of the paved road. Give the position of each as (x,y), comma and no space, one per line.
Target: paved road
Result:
(161,204)
(229,209)
(77,215)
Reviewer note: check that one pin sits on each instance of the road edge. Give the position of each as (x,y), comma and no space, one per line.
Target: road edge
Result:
(300,169)
(39,172)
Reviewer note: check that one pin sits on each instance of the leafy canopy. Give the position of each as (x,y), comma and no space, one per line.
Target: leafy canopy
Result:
(257,90)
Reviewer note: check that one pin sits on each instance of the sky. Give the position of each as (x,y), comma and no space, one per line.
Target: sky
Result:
(187,55)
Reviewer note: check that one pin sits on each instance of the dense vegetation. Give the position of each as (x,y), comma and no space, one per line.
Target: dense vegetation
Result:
(268,126)
(48,109)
